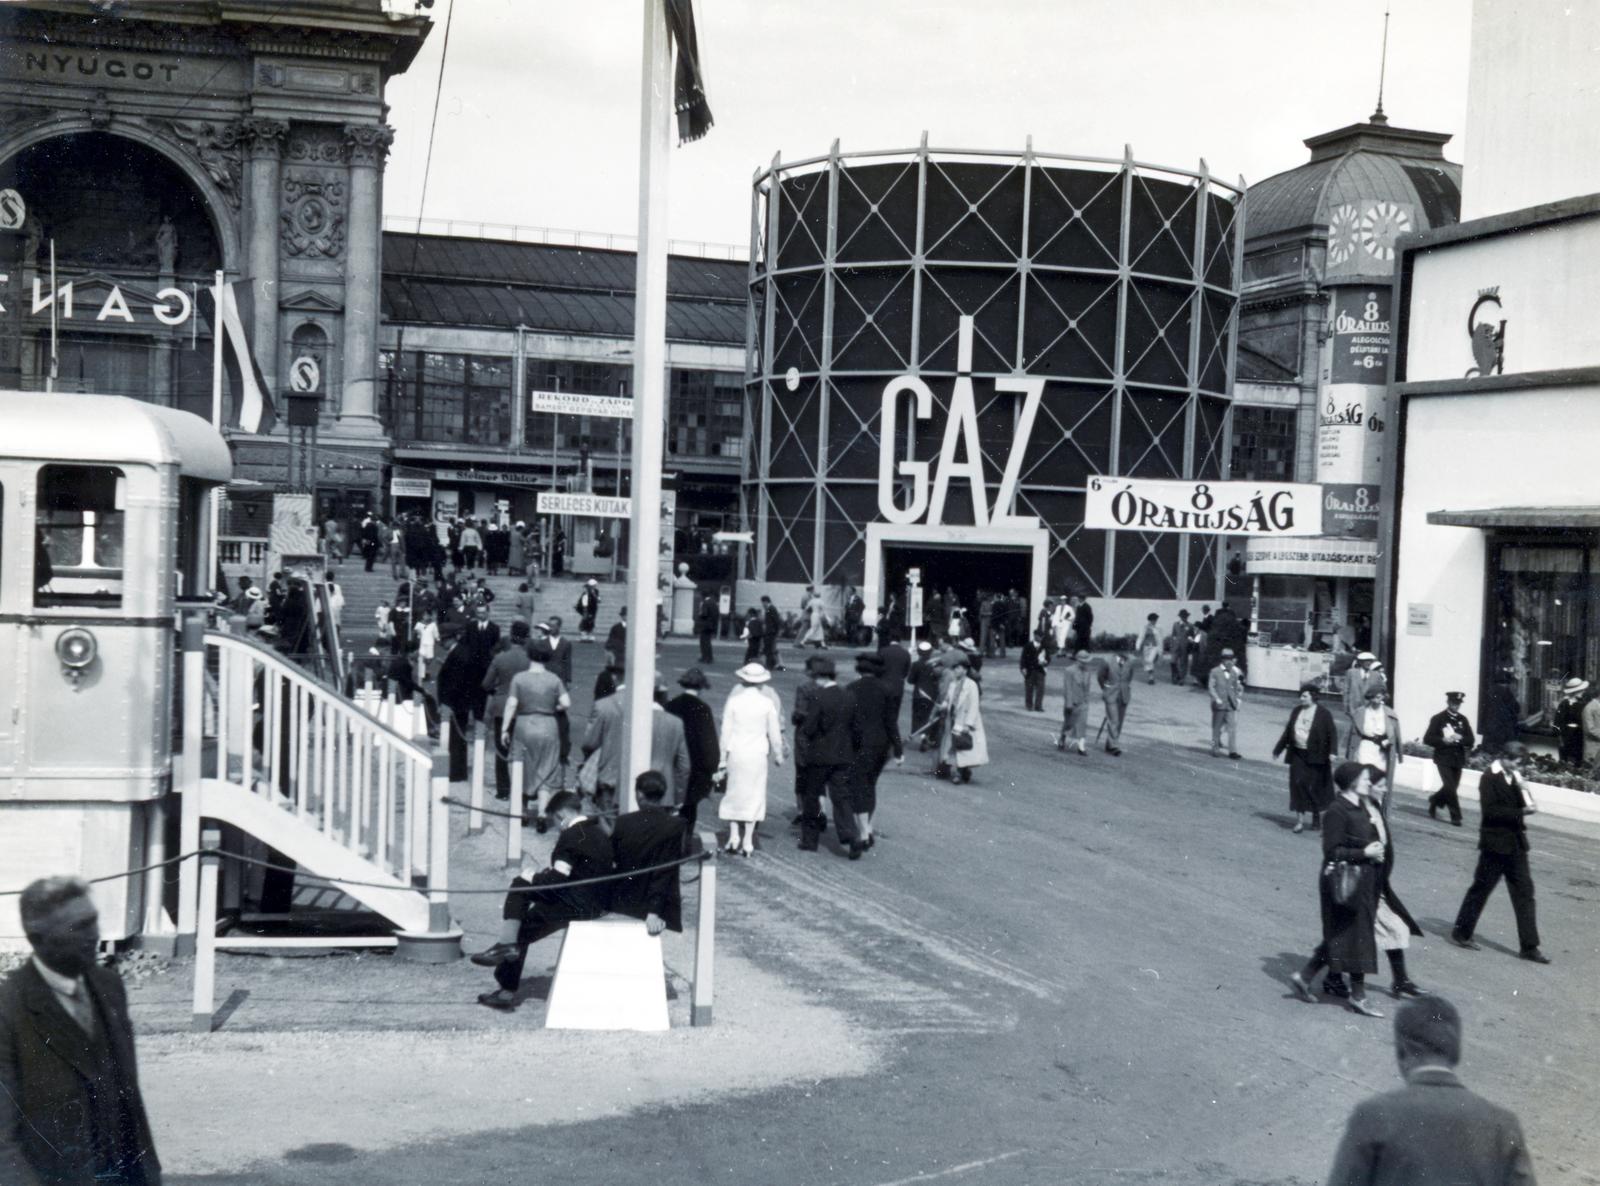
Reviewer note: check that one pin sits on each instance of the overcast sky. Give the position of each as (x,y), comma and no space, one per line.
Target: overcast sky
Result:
(538,122)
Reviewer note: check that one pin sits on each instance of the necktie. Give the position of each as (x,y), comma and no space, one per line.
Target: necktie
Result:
(78,1008)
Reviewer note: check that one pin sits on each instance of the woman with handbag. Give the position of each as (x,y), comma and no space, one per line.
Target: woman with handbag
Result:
(528,725)
(1307,744)
(963,745)
(1352,852)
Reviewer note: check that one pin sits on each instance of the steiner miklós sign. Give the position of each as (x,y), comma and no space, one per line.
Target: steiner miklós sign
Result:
(1203,508)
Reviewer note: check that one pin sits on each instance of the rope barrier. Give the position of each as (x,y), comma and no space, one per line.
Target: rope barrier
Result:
(453,890)
(12,893)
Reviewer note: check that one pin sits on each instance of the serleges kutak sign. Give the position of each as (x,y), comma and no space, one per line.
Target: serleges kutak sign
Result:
(1204,508)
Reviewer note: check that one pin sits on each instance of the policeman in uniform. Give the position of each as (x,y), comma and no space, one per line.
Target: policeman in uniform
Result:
(1450,734)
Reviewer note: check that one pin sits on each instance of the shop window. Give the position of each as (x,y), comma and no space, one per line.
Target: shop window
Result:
(1544,605)
(1285,613)
(82,513)
(1264,443)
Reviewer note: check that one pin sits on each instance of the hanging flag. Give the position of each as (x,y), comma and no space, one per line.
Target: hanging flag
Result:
(252,403)
(688,91)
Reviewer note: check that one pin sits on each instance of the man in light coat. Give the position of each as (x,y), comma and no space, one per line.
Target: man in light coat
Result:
(1227,693)
(1116,688)
(1078,689)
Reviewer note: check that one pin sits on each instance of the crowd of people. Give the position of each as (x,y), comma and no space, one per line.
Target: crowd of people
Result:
(415,544)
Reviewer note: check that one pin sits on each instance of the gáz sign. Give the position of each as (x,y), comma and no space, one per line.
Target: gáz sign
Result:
(1203,508)
(959,454)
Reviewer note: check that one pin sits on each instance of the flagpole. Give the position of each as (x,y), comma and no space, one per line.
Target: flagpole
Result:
(649,395)
(55,296)
(214,545)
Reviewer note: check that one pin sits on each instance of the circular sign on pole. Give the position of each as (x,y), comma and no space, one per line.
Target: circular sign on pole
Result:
(304,374)
(13,210)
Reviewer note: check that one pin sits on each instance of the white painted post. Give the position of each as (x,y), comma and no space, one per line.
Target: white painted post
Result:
(418,795)
(475,817)
(705,935)
(205,951)
(514,824)
(439,843)
(189,775)
(649,394)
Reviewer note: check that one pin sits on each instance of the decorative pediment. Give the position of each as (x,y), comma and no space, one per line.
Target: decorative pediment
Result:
(309,300)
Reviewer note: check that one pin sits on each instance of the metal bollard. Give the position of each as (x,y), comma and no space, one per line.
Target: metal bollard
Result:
(205,947)
(514,824)
(705,935)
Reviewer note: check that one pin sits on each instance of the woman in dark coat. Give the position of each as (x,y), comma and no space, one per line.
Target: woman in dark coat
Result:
(1308,744)
(1350,832)
(700,734)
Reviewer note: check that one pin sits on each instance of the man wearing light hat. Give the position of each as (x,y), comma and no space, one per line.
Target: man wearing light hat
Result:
(1451,738)
(1227,693)
(1355,684)
(1569,720)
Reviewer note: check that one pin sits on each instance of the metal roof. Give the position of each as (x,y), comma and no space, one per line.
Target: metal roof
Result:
(67,426)
(1362,162)
(441,280)
(1574,518)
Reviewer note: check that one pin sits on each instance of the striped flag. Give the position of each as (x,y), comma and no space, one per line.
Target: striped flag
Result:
(252,402)
(688,91)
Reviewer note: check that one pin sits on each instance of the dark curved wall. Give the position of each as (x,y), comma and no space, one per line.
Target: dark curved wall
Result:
(1115,284)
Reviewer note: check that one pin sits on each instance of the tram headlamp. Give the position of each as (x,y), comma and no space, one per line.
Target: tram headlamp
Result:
(76,648)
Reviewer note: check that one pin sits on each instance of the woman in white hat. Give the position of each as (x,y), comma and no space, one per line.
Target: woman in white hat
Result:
(752,737)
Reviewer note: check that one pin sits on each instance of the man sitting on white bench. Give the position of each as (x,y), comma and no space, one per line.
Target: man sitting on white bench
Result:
(650,836)
(582,851)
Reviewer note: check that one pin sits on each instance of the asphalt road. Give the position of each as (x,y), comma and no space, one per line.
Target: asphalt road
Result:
(1075,970)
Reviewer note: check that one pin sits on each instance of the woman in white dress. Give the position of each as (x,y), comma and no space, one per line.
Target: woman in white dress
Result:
(963,719)
(751,739)
(816,635)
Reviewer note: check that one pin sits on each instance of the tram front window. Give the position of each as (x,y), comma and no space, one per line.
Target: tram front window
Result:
(82,511)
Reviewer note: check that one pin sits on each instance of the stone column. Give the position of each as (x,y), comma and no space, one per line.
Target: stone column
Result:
(366,145)
(263,183)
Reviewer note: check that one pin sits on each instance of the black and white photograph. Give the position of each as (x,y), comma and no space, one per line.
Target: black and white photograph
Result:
(846,593)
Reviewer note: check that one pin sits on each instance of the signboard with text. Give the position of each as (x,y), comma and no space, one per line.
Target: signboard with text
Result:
(573,403)
(600,506)
(1350,510)
(1352,410)
(1203,508)
(411,487)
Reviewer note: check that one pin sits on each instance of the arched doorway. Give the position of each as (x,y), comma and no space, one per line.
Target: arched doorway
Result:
(134,242)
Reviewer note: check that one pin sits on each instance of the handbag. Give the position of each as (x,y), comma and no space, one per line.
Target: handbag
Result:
(961,739)
(1346,880)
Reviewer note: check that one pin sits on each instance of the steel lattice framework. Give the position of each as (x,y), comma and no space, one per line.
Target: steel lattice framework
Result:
(1115,281)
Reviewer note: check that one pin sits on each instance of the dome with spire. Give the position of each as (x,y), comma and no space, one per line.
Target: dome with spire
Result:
(1365,185)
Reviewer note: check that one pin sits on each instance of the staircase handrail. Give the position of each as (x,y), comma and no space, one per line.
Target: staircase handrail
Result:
(298,674)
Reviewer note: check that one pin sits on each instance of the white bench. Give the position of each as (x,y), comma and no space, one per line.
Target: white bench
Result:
(609,976)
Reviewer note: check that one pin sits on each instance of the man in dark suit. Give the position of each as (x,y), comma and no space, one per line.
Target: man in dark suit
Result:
(706,620)
(1033,663)
(582,851)
(700,735)
(1082,625)
(771,632)
(1504,803)
(1450,735)
(874,735)
(1116,689)
(830,750)
(652,835)
(896,665)
(805,692)
(482,640)
(1432,1131)
(460,692)
(70,1109)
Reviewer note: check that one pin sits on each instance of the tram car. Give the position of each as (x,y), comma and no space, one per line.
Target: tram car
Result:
(104,524)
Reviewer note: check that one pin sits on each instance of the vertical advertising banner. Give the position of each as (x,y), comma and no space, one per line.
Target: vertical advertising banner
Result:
(1352,411)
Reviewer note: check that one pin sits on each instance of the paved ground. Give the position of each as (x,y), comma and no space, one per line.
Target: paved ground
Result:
(1072,970)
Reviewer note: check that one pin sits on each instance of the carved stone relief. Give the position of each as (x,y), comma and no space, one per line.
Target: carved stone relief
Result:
(215,145)
(312,219)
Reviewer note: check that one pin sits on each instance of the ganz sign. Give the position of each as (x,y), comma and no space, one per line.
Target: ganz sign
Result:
(1204,508)
(960,437)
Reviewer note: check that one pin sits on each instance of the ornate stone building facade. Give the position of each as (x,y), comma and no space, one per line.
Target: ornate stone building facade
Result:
(155,143)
